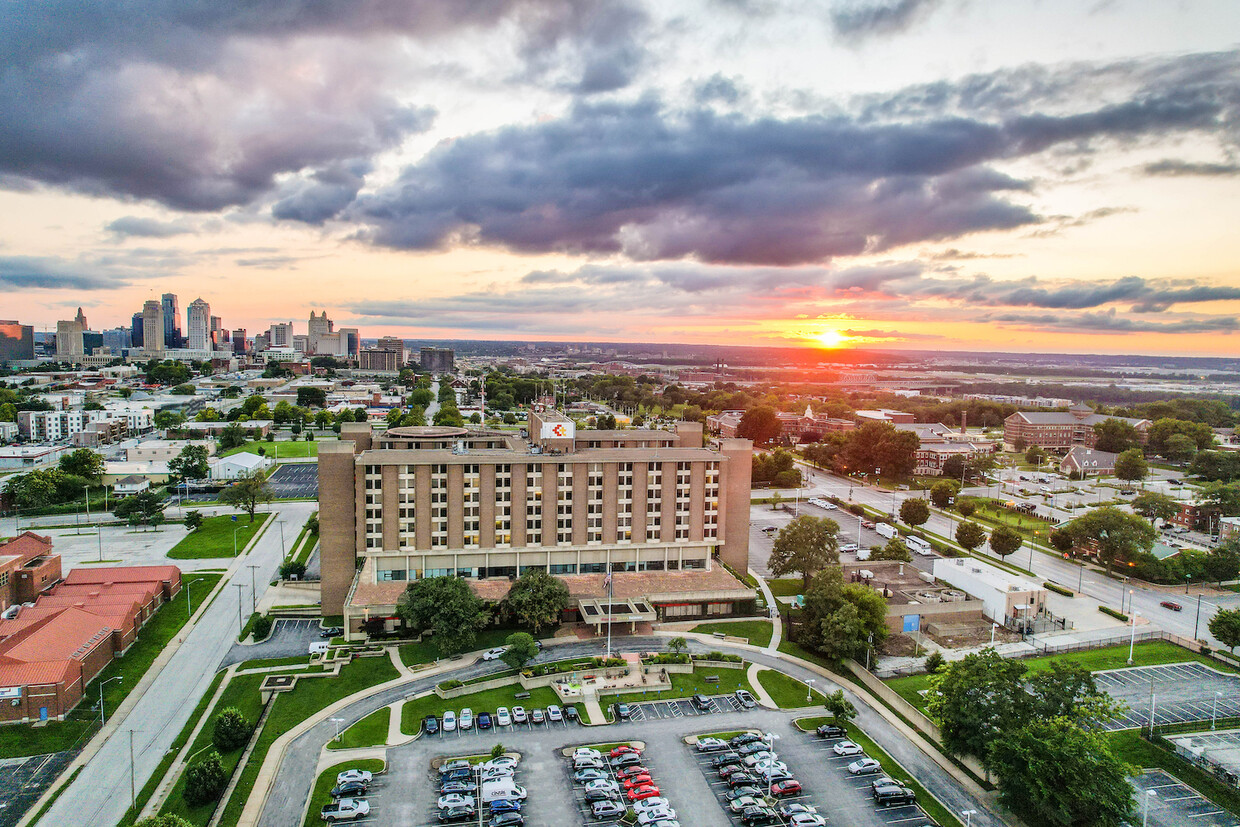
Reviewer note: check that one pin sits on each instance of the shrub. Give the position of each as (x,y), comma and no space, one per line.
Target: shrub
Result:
(1107,610)
(312,524)
(1059,590)
(497,750)
(205,779)
(292,569)
(261,628)
(933,661)
(232,730)
(719,656)
(856,509)
(451,684)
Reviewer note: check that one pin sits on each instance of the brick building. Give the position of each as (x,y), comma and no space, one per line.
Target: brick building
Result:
(27,568)
(1061,430)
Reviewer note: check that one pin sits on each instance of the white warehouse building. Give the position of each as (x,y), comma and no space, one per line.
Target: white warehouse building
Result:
(1003,595)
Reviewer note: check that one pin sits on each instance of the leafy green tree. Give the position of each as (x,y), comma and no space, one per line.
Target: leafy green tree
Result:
(311,397)
(193,520)
(1197,435)
(1056,774)
(965,506)
(1223,496)
(1224,562)
(1005,540)
(1116,534)
(536,599)
(522,648)
(1116,436)
(205,779)
(1216,466)
(943,492)
(1154,506)
(83,462)
(449,415)
(144,508)
(247,493)
(840,708)
(1062,540)
(292,570)
(190,464)
(233,436)
(1130,466)
(1034,454)
(970,535)
(839,618)
(894,550)
(1225,625)
(1069,690)
(231,730)
(446,606)
(1179,448)
(35,489)
(677,644)
(283,413)
(166,820)
(975,700)
(806,545)
(760,424)
(914,512)
(323,419)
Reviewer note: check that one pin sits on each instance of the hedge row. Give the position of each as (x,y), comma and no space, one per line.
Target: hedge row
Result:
(1059,590)
(1107,610)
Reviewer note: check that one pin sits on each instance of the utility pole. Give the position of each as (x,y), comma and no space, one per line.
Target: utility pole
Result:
(240,624)
(253,593)
(133,787)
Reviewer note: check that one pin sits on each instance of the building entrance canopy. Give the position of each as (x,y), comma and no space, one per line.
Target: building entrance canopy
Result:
(597,611)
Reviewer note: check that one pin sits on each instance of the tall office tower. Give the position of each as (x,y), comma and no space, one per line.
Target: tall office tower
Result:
(216,323)
(81,319)
(198,325)
(393,344)
(135,330)
(281,335)
(172,321)
(153,326)
(69,339)
(319,326)
(16,341)
(350,342)
(438,359)
(117,340)
(238,340)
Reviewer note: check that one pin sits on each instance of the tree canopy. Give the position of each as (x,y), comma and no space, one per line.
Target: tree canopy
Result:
(806,545)
(446,606)
(522,648)
(760,424)
(190,464)
(914,511)
(1005,540)
(536,599)
(943,492)
(1131,466)
(840,619)
(143,508)
(247,493)
(1225,625)
(1116,534)
(1116,436)
(970,535)
(83,462)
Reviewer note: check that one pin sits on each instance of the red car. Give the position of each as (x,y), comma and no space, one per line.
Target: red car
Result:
(781,788)
(1172,605)
(629,772)
(622,750)
(637,781)
(639,793)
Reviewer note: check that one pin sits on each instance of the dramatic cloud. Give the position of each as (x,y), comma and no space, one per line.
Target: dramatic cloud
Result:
(29,273)
(859,19)
(324,193)
(134,226)
(1111,322)
(1175,168)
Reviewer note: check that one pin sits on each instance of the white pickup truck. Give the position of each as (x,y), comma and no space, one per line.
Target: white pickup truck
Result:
(346,809)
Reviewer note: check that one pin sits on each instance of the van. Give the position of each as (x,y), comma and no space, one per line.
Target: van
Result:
(319,647)
(887,530)
(919,546)
(501,789)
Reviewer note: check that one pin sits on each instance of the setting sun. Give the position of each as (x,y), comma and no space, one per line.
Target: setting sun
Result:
(830,338)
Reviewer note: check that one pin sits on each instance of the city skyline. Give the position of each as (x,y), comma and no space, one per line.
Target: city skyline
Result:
(920,174)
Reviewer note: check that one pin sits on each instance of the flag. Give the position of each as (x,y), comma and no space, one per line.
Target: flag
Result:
(607,580)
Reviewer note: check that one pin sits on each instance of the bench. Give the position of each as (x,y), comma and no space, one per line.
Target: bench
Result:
(522,696)
(711,679)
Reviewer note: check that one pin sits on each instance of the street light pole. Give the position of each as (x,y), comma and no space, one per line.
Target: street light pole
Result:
(133,786)
(1197,622)
(235,530)
(103,719)
(240,624)
(968,817)
(1145,813)
(1214,712)
(809,691)
(994,627)
(253,592)
(1132,640)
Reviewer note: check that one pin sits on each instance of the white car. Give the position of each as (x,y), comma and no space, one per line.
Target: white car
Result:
(496,773)
(711,744)
(657,814)
(671,822)
(849,547)
(847,748)
(864,767)
(754,757)
(580,752)
(502,718)
(449,766)
(451,800)
(770,766)
(495,763)
(354,775)
(346,809)
(518,715)
(807,820)
(466,721)
(449,721)
(648,804)
(603,784)
(494,654)
(554,713)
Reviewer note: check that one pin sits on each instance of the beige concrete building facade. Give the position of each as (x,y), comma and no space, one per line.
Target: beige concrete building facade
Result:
(651,507)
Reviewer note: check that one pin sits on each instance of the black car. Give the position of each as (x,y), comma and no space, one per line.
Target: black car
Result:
(701,701)
(726,760)
(456,775)
(752,747)
(430,724)
(758,815)
(743,739)
(601,795)
(892,794)
(741,792)
(331,632)
(570,713)
(462,787)
(830,731)
(484,720)
(458,814)
(350,789)
(506,820)
(626,760)
(623,712)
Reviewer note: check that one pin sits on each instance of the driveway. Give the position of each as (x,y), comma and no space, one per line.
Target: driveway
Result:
(288,638)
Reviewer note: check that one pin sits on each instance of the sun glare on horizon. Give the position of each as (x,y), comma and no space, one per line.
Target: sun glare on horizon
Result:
(830,339)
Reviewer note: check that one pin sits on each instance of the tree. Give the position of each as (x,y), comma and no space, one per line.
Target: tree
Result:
(943,492)
(537,599)
(292,570)
(977,699)
(1131,466)
(1069,690)
(914,512)
(205,779)
(193,520)
(1035,454)
(446,606)
(954,467)
(1223,496)
(1020,444)
(247,493)
(323,419)
(839,619)
(1224,562)
(1216,466)
(1225,625)
(841,709)
(1116,436)
(760,424)
(1154,506)
(1116,534)
(190,464)
(894,550)
(144,508)
(806,545)
(231,730)
(1005,540)
(233,436)
(970,535)
(166,820)
(1062,540)
(677,645)
(1055,773)
(966,507)
(521,650)
(83,463)
(448,415)
(1179,448)
(311,397)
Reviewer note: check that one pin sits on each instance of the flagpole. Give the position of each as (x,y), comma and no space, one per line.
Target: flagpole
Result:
(610,591)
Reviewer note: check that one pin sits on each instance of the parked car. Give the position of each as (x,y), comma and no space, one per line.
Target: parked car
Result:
(796,808)
(807,820)
(711,744)
(622,711)
(847,748)
(331,632)
(726,759)
(648,804)
(893,794)
(759,815)
(655,814)
(446,802)
(740,779)
(484,720)
(738,741)
(603,784)
(537,716)
(830,731)
(592,796)
(503,717)
(350,789)
(462,787)
(729,770)
(631,772)
(783,788)
(570,713)
(745,699)
(638,793)
(638,781)
(586,752)
(867,524)
(354,775)
(607,809)
(494,654)
(554,714)
(499,761)
(865,766)
(768,529)
(588,775)
(506,820)
(466,721)
(504,805)
(449,766)
(742,791)
(346,809)
(626,760)
(775,776)
(458,814)
(752,747)
(430,724)
(449,721)
(701,701)
(456,775)
(1172,605)
(738,805)
(518,715)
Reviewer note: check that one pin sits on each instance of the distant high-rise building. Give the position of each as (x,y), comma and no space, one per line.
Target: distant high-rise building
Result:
(16,341)
(153,326)
(393,344)
(262,341)
(377,359)
(172,321)
(69,339)
(281,335)
(81,319)
(135,330)
(438,359)
(198,325)
(238,340)
(319,327)
(117,339)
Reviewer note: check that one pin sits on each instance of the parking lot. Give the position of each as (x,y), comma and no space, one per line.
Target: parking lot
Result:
(760,542)
(1183,692)
(683,707)
(428,811)
(585,808)
(1175,804)
(25,779)
(289,637)
(295,479)
(495,730)
(723,789)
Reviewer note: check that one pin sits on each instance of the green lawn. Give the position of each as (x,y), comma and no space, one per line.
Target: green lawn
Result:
(685,685)
(371,731)
(321,795)
(412,713)
(292,660)
(1130,747)
(1147,653)
(279,450)
(411,654)
(758,631)
(893,769)
(786,692)
(215,537)
(19,740)
(786,587)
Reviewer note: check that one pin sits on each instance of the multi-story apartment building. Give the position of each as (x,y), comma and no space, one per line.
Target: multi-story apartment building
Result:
(437,359)
(1060,430)
(653,508)
(54,426)
(16,341)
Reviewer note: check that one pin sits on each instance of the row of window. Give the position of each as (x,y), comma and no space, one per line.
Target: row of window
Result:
(691,564)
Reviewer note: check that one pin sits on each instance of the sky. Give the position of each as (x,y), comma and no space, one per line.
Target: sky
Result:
(1031,175)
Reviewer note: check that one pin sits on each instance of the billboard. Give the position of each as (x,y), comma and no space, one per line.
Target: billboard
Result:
(559,430)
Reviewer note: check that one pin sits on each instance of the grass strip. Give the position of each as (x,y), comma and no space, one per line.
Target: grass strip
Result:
(788,692)
(371,731)
(758,631)
(320,796)
(219,536)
